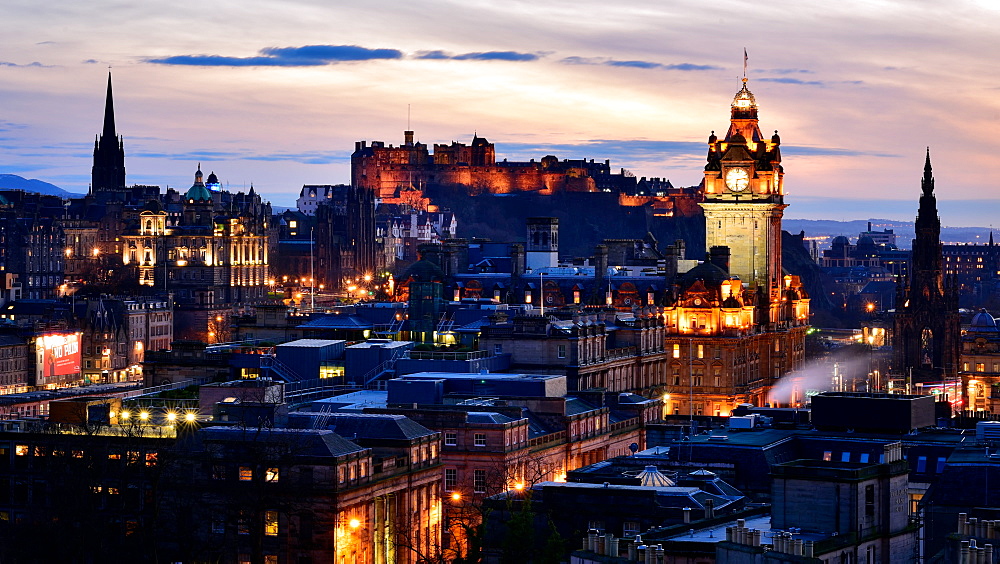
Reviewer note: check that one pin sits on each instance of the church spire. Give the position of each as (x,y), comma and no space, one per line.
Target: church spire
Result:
(109,114)
(108,172)
(927,183)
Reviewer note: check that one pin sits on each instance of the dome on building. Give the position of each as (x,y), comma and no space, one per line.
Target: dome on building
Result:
(198,194)
(840,241)
(213,181)
(424,271)
(711,275)
(744,98)
(652,477)
(983,322)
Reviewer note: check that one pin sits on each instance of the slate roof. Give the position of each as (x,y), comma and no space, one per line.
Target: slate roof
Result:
(377,426)
(301,442)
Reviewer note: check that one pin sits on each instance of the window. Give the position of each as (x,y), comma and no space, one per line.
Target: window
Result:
(827,455)
(845,457)
(450,479)
(940,464)
(497,349)
(870,501)
(921,464)
(677,350)
(271,475)
(864,457)
(271,523)
(595,525)
(450,438)
(561,351)
(218,472)
(479,481)
(480,439)
(630,529)
(246,473)
(243,524)
(219,526)
(701,351)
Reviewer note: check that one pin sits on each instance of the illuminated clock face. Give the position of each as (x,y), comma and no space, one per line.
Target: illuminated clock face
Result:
(737,179)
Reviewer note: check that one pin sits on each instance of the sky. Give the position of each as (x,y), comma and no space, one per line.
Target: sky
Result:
(275,94)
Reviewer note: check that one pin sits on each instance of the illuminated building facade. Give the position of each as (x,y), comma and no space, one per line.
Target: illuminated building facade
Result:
(737,323)
(211,256)
(392,171)
(980,364)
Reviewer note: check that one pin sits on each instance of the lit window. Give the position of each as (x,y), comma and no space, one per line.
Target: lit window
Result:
(450,438)
(246,473)
(480,439)
(827,456)
(21,450)
(271,523)
(677,350)
(701,351)
(980,367)
(271,475)
(151,458)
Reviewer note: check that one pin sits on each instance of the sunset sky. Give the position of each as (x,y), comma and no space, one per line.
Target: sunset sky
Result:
(276,93)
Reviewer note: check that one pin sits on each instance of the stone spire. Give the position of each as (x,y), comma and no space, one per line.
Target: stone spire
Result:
(108,172)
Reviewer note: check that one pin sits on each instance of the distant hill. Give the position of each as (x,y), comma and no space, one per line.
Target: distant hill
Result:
(902,229)
(15,182)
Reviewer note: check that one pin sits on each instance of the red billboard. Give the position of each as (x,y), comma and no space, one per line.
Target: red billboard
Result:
(57,357)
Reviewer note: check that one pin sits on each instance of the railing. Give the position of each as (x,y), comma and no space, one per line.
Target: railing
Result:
(446,355)
(153,390)
(271,363)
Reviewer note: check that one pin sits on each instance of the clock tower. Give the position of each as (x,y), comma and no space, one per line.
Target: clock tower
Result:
(744,198)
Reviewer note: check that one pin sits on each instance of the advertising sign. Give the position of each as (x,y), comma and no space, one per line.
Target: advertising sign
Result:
(57,357)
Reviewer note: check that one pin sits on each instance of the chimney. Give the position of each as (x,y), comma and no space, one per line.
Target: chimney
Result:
(719,256)
(517,260)
(600,273)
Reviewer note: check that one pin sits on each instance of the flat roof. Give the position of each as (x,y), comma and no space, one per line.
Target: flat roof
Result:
(312,342)
(477,375)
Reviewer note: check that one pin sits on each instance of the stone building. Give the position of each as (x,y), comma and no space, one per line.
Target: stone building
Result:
(214,256)
(926,340)
(980,365)
(391,171)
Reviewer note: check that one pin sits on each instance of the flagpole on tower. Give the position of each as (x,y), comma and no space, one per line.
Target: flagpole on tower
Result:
(745,64)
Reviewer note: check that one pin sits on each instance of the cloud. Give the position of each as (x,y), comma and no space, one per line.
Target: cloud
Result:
(431,55)
(789,80)
(800,150)
(478,56)
(306,56)
(33,64)
(497,56)
(331,53)
(307,157)
(636,150)
(786,71)
(90,61)
(636,64)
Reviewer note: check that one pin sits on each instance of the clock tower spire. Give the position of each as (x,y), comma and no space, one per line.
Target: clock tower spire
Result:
(744,198)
